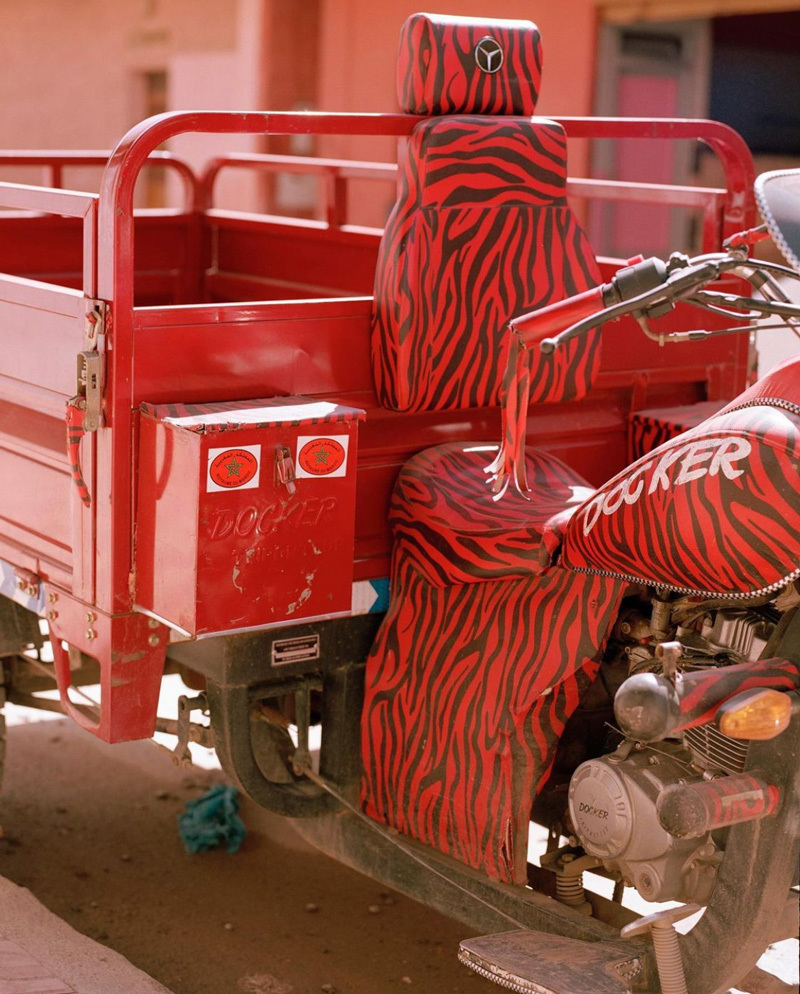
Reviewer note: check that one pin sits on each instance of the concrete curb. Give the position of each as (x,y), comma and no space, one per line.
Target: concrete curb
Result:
(38,950)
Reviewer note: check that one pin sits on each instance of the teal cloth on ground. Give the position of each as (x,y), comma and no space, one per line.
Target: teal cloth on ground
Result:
(213,820)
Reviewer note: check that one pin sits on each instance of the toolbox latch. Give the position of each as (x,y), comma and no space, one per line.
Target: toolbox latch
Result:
(84,414)
(90,387)
(95,325)
(284,468)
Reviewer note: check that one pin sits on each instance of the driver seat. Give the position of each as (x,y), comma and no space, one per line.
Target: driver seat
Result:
(481,233)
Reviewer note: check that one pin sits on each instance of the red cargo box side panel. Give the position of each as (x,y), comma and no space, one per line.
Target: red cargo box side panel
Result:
(246,512)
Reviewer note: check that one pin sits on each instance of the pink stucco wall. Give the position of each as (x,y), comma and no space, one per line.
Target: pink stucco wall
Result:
(358,55)
(71,71)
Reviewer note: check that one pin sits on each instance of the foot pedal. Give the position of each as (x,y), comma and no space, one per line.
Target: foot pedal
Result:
(538,963)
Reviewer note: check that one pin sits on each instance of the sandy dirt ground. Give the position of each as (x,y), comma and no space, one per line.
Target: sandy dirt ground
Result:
(91,830)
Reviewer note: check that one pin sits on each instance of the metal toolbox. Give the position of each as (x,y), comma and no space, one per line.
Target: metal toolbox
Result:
(246,512)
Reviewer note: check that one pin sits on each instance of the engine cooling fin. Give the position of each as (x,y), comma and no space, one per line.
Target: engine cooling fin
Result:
(532,962)
(715,750)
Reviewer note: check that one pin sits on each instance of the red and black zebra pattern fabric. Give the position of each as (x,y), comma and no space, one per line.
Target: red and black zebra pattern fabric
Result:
(75,419)
(468,689)
(237,415)
(649,429)
(447,524)
(716,510)
(438,71)
(481,233)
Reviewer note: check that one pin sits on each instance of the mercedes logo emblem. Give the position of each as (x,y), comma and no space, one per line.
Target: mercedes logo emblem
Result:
(488,55)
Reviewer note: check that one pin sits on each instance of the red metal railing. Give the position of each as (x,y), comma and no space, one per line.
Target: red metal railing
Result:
(53,165)
(65,203)
(115,264)
(335,173)
(738,209)
(710,200)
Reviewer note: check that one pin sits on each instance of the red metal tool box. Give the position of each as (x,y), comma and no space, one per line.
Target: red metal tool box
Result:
(246,512)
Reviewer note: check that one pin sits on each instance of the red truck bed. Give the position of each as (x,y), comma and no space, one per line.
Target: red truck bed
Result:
(200,305)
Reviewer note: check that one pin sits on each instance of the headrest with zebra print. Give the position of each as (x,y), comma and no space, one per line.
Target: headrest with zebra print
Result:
(458,65)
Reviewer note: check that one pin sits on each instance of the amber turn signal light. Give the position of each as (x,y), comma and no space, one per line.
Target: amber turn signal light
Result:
(755,714)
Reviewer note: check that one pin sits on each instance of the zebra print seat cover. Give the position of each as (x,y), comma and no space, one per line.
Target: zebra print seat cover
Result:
(481,231)
(444,518)
(438,71)
(481,658)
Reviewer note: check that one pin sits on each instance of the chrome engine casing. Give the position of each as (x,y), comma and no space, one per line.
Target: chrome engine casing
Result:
(612,805)
(743,632)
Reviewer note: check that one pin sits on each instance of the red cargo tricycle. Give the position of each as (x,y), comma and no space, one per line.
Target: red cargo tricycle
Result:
(289,459)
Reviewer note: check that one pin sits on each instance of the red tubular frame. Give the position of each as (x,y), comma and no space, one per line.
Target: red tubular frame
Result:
(728,145)
(335,172)
(710,200)
(115,269)
(56,162)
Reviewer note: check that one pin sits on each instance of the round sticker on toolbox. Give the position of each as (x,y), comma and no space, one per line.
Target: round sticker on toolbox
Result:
(322,456)
(233,469)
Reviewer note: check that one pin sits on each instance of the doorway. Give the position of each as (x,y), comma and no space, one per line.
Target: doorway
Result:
(648,70)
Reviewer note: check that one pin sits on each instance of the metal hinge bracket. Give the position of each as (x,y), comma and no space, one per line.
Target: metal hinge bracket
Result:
(95,325)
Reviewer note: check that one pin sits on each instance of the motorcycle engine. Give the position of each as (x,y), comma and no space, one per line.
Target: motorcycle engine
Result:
(612,804)
(612,799)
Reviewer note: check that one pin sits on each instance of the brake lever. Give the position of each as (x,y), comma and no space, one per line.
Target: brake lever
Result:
(739,303)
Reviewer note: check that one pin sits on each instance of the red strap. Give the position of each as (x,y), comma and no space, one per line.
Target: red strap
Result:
(509,464)
(75,417)
(528,330)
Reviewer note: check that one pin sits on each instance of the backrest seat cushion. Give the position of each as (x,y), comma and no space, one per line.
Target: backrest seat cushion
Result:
(481,233)
(457,65)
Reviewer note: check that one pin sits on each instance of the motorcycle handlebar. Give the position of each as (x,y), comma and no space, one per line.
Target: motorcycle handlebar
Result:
(638,289)
(628,283)
(538,325)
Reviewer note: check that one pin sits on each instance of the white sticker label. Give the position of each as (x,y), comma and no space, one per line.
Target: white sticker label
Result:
(236,467)
(321,456)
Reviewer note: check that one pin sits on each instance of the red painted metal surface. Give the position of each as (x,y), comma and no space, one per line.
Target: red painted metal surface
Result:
(227,538)
(193,334)
(131,649)
(53,165)
(710,200)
